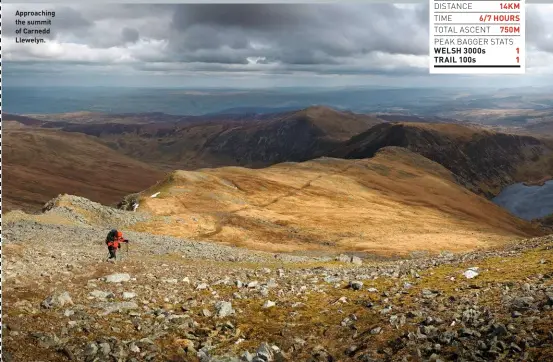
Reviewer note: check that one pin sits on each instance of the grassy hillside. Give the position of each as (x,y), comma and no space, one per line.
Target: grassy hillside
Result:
(39,164)
(395,203)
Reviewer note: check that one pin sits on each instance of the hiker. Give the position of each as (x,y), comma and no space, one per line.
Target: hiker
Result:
(113,241)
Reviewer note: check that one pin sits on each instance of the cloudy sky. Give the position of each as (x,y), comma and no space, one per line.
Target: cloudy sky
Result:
(248,46)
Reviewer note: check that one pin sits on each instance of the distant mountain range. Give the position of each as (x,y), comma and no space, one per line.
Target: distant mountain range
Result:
(512,107)
(253,110)
(484,161)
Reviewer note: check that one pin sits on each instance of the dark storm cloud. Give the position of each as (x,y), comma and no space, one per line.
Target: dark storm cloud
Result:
(290,35)
(293,34)
(319,69)
(246,16)
(130,35)
(325,39)
(299,34)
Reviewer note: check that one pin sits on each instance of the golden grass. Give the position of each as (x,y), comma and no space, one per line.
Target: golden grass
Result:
(393,204)
(493,270)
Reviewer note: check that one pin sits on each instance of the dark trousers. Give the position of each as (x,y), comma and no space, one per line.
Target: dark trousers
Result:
(112,252)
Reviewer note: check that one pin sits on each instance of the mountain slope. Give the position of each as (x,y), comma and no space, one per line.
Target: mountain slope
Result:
(339,125)
(227,140)
(392,204)
(299,136)
(40,164)
(483,161)
(178,296)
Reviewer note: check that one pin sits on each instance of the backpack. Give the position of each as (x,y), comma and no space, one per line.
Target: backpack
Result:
(111,235)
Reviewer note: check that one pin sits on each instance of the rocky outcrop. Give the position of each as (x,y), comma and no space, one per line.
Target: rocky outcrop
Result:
(175,298)
(129,202)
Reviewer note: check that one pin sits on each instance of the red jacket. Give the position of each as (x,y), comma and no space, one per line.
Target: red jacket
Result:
(115,242)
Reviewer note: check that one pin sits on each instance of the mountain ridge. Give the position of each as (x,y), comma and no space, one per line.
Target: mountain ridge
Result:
(484,161)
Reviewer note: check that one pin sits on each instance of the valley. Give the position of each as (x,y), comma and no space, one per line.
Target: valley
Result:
(310,235)
(271,183)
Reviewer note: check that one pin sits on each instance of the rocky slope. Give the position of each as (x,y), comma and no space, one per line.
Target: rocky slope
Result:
(174,299)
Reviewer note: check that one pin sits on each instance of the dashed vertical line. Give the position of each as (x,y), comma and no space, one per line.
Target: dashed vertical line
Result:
(1,267)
